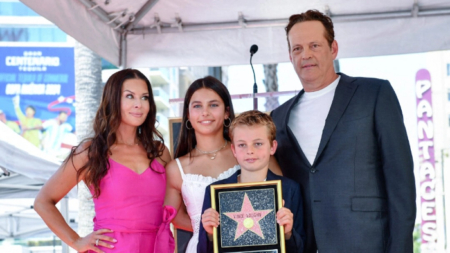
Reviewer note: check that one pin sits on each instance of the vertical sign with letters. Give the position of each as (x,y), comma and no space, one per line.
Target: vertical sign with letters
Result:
(427,172)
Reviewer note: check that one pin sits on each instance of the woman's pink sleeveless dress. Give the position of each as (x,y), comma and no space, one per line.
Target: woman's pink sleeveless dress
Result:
(131,205)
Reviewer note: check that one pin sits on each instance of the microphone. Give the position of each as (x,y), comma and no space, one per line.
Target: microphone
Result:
(253,50)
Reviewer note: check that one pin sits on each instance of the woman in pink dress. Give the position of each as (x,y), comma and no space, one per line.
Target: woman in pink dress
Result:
(123,165)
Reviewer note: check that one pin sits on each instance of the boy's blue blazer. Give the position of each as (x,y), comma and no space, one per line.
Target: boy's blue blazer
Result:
(292,201)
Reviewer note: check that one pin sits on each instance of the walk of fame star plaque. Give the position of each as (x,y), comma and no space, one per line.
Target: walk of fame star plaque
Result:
(248,217)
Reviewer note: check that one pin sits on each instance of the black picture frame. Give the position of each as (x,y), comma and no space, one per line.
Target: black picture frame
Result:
(248,217)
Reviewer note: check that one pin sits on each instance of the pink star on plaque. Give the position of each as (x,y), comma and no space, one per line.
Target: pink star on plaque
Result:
(248,218)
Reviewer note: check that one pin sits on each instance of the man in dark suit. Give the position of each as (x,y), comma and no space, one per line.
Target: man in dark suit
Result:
(343,139)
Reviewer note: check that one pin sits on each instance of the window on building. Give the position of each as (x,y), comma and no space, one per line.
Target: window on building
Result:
(15,9)
(107,65)
(32,34)
(448,94)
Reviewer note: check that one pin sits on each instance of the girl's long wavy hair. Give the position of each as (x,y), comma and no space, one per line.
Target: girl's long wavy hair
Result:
(187,139)
(107,121)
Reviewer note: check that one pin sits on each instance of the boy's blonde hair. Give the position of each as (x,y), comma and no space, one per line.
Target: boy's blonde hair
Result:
(254,118)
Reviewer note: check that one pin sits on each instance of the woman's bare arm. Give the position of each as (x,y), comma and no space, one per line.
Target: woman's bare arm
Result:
(173,196)
(53,191)
(165,158)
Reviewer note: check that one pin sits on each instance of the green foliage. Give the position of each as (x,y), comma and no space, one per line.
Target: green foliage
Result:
(417,240)
(57,242)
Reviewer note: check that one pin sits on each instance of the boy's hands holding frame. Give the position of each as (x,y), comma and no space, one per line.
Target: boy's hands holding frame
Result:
(211,219)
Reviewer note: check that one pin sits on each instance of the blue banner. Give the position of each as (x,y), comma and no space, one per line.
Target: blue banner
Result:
(37,92)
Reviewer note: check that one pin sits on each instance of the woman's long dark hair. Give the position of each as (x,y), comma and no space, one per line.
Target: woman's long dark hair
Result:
(186,139)
(107,121)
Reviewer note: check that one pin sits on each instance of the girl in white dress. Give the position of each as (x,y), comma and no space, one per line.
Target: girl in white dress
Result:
(203,152)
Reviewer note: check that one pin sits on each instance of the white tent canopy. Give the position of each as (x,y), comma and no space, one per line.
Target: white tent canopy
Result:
(158,33)
(23,170)
(23,158)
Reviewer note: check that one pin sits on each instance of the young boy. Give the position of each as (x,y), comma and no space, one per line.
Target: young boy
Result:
(253,142)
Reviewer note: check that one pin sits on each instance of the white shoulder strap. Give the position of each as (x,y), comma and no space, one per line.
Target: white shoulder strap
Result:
(180,168)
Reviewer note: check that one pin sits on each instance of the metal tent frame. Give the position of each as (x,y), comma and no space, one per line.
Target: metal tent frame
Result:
(148,33)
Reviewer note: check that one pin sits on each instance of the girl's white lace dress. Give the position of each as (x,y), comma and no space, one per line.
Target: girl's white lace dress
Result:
(193,192)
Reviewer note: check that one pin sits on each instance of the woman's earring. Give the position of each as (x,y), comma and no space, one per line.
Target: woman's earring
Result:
(229,122)
(187,127)
(139,130)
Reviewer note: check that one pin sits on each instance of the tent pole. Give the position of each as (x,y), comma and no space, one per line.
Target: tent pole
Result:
(120,51)
(102,14)
(22,187)
(65,213)
(123,50)
(141,13)
(187,27)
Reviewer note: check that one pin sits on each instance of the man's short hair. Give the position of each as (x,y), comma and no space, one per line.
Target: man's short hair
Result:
(31,107)
(312,15)
(254,118)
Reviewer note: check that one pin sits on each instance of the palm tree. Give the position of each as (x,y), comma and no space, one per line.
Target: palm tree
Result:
(88,91)
(271,83)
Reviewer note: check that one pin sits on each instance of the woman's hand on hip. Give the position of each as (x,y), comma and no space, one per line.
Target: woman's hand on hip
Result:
(93,240)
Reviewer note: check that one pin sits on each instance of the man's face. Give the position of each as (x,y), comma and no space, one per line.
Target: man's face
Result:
(311,55)
(29,112)
(62,117)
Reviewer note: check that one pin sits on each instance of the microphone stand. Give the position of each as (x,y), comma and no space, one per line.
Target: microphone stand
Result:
(255,87)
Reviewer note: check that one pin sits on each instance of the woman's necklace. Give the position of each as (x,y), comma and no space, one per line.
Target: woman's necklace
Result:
(214,152)
(127,144)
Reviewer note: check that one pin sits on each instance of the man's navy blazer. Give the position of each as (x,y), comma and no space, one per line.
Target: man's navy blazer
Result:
(359,193)
(292,201)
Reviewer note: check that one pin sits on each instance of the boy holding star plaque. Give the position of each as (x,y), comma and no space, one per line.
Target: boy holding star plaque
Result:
(254,209)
